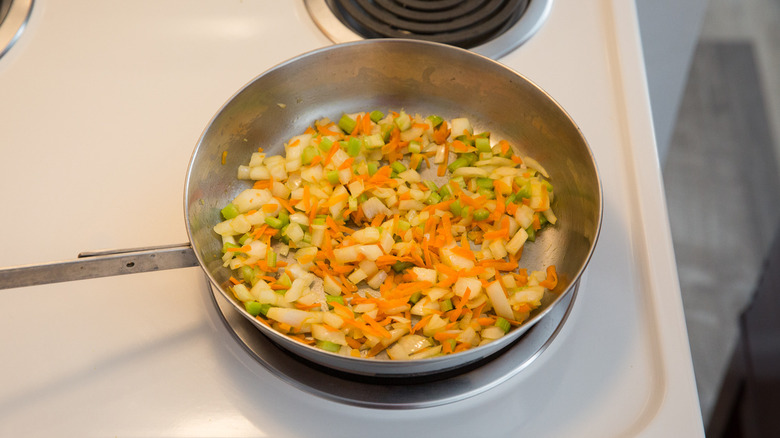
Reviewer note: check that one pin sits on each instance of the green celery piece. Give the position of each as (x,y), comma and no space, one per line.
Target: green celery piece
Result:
(254,308)
(247,273)
(456,208)
(433,198)
(230,211)
(525,191)
(334,298)
(467,140)
(398,166)
(446,305)
(274,222)
(481,214)
(445,192)
(229,245)
(402,266)
(485,183)
(373,166)
(415,147)
(415,297)
(308,154)
(435,120)
(328,346)
(284,280)
(325,144)
(482,144)
(271,262)
(376,116)
(373,141)
(347,123)
(353,147)
(431,185)
(457,164)
(503,324)
(333,177)
(242,240)
(403,121)
(403,225)
(363,197)
(284,216)
(487,193)
(531,233)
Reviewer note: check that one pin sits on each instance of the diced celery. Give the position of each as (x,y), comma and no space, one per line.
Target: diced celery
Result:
(284,280)
(373,166)
(446,305)
(503,324)
(485,183)
(325,144)
(373,141)
(347,123)
(403,121)
(531,234)
(254,308)
(481,214)
(333,177)
(482,144)
(457,164)
(487,193)
(328,346)
(435,120)
(229,245)
(274,222)
(433,198)
(308,154)
(415,297)
(402,266)
(334,298)
(353,147)
(376,116)
(398,166)
(230,211)
(456,208)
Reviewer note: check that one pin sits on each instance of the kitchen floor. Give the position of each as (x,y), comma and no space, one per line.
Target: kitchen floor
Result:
(721,178)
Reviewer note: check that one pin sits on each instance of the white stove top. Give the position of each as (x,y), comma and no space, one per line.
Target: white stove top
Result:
(101,104)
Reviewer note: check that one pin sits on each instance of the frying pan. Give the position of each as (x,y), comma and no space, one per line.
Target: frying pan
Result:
(390,74)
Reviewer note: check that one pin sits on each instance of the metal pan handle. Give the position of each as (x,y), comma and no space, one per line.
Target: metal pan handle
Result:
(95,264)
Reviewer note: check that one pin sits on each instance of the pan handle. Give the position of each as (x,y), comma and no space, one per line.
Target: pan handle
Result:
(95,264)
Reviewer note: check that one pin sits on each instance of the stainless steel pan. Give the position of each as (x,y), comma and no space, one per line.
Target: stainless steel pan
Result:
(420,77)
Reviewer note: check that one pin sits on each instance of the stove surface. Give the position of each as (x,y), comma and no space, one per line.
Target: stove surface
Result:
(102,104)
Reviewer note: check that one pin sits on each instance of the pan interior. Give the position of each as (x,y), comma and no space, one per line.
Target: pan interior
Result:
(418,77)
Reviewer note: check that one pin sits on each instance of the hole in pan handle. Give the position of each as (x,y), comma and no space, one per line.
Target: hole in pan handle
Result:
(95,264)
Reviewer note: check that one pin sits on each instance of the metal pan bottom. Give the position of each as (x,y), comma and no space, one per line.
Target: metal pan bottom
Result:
(392,393)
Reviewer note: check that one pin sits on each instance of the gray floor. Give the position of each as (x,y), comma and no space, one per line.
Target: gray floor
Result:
(721,179)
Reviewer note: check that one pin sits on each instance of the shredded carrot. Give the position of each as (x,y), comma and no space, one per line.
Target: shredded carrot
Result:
(348,162)
(284,204)
(504,145)
(552,278)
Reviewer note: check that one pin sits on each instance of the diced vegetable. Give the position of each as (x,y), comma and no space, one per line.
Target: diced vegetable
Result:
(347,244)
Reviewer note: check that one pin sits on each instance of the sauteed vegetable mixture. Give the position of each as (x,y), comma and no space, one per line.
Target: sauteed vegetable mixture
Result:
(391,234)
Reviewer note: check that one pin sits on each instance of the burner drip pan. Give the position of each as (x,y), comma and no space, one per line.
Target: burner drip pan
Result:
(489,27)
